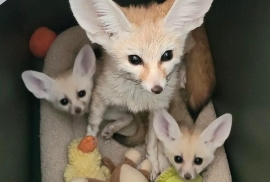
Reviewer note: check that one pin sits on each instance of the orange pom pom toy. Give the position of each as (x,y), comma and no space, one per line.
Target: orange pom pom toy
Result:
(41,41)
(88,144)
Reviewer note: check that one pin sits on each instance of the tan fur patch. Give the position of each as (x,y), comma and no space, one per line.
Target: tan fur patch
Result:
(153,12)
(162,70)
(144,74)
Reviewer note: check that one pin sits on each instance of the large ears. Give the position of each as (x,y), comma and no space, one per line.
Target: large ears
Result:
(37,83)
(165,126)
(186,15)
(218,131)
(100,18)
(85,62)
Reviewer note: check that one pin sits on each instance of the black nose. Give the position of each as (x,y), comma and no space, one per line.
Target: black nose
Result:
(187,176)
(157,89)
(78,110)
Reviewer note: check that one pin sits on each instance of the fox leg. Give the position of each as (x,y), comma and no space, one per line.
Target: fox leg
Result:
(122,119)
(163,162)
(152,149)
(97,110)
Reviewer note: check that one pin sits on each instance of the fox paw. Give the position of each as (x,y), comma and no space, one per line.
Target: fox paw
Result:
(108,131)
(107,142)
(154,174)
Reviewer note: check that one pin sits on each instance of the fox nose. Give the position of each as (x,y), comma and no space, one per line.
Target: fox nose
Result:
(157,89)
(187,176)
(78,110)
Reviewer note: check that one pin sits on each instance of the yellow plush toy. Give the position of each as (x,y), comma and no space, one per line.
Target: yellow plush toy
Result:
(84,160)
(170,175)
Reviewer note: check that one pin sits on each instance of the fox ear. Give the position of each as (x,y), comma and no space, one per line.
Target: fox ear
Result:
(186,15)
(100,18)
(85,62)
(165,126)
(218,131)
(37,83)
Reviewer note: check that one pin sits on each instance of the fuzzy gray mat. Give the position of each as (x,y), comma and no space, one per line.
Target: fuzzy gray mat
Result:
(58,129)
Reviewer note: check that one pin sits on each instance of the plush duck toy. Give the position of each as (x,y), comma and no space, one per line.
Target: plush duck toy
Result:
(85,161)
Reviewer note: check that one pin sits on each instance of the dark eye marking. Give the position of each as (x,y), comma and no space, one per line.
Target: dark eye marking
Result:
(198,161)
(178,159)
(81,93)
(64,101)
(167,56)
(135,60)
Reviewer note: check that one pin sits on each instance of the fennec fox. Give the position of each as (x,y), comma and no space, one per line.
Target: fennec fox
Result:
(144,47)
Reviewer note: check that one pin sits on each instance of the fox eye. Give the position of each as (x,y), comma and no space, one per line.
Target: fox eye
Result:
(198,161)
(64,101)
(178,159)
(81,93)
(167,56)
(134,59)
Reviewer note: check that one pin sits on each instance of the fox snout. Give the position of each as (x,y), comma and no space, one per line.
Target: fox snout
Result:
(154,88)
(154,80)
(77,110)
(157,89)
(188,175)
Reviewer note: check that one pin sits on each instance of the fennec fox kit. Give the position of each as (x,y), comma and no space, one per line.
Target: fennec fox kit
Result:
(69,91)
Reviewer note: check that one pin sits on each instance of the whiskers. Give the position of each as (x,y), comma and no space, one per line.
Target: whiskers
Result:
(127,76)
(169,76)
